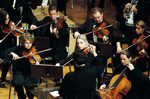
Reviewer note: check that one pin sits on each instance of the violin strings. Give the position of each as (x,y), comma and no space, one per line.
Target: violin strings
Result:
(11,31)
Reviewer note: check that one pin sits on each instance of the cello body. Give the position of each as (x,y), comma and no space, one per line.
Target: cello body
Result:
(119,90)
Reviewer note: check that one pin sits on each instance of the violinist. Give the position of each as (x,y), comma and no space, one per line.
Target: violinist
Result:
(90,24)
(140,83)
(58,35)
(140,49)
(22,67)
(81,44)
(7,43)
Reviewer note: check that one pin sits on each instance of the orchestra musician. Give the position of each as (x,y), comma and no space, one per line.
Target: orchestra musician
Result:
(129,12)
(82,44)
(9,42)
(143,52)
(90,24)
(81,83)
(22,66)
(58,37)
(140,83)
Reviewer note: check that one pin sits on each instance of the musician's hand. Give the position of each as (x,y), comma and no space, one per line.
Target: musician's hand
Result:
(93,49)
(105,38)
(0,41)
(102,87)
(130,66)
(33,27)
(37,63)
(57,64)
(133,9)
(15,56)
(119,49)
(142,53)
(76,34)
(127,6)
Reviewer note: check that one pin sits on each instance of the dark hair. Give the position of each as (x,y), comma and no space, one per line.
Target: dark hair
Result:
(127,53)
(3,15)
(52,7)
(80,57)
(96,9)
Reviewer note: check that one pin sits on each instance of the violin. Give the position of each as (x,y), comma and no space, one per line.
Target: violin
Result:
(58,24)
(17,31)
(33,58)
(86,50)
(141,45)
(101,32)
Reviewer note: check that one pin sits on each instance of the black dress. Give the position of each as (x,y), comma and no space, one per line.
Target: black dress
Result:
(21,72)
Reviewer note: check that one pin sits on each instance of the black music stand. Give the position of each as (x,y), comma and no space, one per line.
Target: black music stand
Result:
(46,70)
(103,49)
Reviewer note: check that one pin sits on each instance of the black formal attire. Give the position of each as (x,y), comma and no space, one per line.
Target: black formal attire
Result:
(58,46)
(88,27)
(141,14)
(7,43)
(22,12)
(81,83)
(134,51)
(140,83)
(21,72)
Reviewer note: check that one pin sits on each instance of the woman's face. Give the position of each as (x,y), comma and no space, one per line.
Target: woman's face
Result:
(27,44)
(139,30)
(124,59)
(7,19)
(81,44)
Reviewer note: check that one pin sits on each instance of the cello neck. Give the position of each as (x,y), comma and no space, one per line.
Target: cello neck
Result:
(117,80)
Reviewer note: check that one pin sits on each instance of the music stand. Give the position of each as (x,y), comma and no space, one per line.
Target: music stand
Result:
(45,70)
(103,49)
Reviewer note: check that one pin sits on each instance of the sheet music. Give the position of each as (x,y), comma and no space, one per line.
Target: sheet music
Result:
(55,93)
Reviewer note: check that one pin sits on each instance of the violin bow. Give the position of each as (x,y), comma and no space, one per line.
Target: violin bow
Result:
(36,53)
(98,29)
(67,62)
(135,43)
(10,31)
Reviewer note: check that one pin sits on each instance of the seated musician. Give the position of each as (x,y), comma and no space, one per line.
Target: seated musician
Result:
(81,83)
(22,66)
(140,83)
(82,44)
(142,48)
(97,22)
(57,34)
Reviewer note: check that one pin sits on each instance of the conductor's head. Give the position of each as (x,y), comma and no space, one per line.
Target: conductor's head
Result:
(80,58)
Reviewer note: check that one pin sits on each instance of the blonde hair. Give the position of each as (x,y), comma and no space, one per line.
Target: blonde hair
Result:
(26,36)
(141,24)
(82,36)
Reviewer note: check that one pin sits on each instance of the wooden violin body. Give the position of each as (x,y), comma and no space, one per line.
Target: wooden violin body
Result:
(101,32)
(58,24)
(33,58)
(120,89)
(142,44)
(17,31)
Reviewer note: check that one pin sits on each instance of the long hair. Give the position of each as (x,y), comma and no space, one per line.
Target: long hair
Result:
(3,15)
